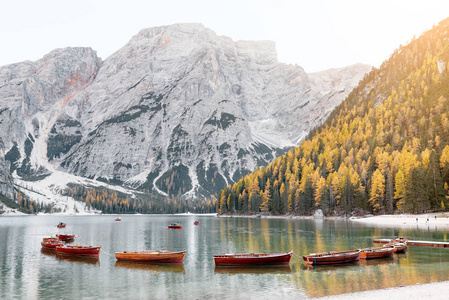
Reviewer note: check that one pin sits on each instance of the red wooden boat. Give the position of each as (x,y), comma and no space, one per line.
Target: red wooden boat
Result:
(175,226)
(151,256)
(79,250)
(61,225)
(50,243)
(370,253)
(248,259)
(65,237)
(334,257)
(197,223)
(50,239)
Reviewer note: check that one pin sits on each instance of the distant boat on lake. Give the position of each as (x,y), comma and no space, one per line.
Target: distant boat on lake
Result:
(252,259)
(65,237)
(61,225)
(197,223)
(175,226)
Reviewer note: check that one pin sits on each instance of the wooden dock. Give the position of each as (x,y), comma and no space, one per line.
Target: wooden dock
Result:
(416,243)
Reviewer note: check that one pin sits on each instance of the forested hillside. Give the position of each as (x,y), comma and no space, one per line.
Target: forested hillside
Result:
(384,149)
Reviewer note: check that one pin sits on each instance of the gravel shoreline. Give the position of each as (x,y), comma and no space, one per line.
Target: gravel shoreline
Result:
(434,291)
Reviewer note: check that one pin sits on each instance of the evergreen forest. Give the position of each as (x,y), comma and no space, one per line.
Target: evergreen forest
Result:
(385,149)
(114,202)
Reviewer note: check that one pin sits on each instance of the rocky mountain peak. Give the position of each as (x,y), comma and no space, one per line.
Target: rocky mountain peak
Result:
(178,109)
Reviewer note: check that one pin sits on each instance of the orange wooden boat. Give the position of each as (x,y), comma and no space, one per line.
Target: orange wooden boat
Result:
(175,226)
(333,257)
(398,247)
(197,223)
(50,243)
(370,253)
(65,237)
(61,225)
(151,256)
(399,244)
(79,250)
(253,259)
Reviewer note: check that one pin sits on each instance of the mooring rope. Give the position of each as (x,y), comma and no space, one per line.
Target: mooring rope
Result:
(299,258)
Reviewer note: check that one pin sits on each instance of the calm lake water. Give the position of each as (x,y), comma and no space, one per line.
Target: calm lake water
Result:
(29,273)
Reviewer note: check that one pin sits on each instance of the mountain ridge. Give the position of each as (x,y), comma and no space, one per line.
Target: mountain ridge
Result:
(113,120)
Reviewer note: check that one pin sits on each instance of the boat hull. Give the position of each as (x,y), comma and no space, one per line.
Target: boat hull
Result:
(79,250)
(327,258)
(151,256)
(399,247)
(51,245)
(253,259)
(65,237)
(373,253)
(175,226)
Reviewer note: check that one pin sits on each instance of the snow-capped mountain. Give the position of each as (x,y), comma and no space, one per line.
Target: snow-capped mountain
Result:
(178,109)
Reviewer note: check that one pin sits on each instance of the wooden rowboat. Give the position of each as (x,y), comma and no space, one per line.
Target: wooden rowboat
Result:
(79,250)
(61,225)
(175,226)
(65,237)
(197,223)
(399,240)
(50,243)
(398,247)
(253,259)
(334,257)
(50,239)
(151,256)
(370,253)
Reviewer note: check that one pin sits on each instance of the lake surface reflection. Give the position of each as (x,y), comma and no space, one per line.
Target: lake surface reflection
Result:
(28,272)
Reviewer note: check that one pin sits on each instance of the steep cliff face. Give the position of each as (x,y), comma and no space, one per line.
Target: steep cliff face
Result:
(33,96)
(6,180)
(177,109)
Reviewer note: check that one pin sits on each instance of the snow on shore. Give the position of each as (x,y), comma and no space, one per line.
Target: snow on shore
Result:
(431,220)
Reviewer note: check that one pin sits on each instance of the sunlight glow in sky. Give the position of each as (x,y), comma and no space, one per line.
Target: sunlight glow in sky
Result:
(317,35)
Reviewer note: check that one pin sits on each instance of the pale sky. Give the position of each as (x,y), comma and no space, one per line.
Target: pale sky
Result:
(315,34)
